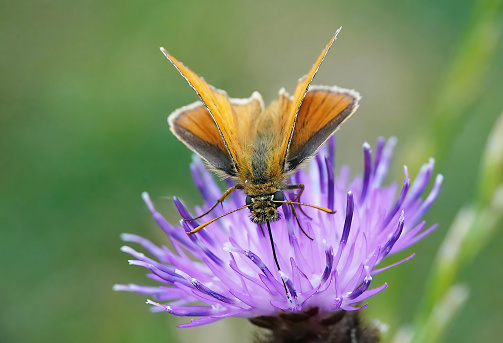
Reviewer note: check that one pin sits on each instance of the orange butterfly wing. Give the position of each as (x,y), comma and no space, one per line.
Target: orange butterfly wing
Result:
(232,119)
(288,111)
(194,126)
(322,112)
(238,137)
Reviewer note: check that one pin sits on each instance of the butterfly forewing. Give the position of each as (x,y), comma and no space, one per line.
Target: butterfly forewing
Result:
(290,115)
(234,120)
(215,100)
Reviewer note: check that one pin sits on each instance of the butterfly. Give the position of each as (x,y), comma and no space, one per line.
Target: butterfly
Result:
(259,147)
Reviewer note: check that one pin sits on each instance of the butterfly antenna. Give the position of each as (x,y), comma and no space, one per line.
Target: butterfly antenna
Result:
(302,204)
(202,226)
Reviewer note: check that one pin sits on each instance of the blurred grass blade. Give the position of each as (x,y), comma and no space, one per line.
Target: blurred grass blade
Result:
(468,70)
(442,315)
(492,163)
(471,229)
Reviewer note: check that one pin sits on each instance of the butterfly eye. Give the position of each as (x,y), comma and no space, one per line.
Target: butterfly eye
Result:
(278,196)
(248,200)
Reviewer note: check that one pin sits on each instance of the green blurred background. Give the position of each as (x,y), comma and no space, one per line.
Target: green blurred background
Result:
(84,97)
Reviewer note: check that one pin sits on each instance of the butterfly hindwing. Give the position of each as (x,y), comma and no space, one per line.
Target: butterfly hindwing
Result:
(195,127)
(322,112)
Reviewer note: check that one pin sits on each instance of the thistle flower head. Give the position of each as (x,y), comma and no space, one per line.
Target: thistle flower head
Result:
(228,269)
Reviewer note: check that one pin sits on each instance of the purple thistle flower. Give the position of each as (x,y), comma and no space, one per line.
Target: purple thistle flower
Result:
(228,269)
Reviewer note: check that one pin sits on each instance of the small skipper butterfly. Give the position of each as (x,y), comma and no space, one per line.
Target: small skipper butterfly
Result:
(257,147)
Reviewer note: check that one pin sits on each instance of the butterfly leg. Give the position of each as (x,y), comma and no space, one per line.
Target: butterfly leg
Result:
(298,222)
(219,201)
(301,187)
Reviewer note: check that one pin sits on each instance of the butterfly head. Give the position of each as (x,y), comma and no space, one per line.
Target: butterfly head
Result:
(264,208)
